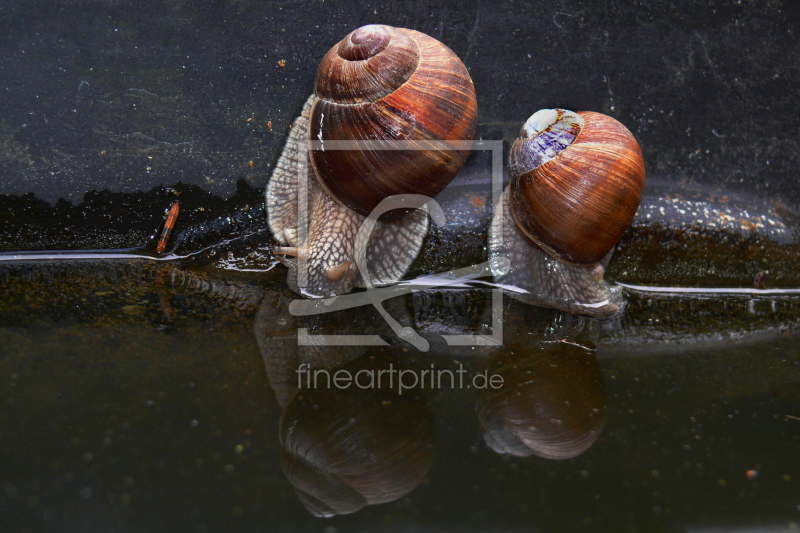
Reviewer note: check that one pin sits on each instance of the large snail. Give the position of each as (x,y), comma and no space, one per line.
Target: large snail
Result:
(378,84)
(576,183)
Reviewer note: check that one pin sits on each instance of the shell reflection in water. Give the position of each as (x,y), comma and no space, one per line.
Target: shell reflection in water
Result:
(345,449)
(552,404)
(342,449)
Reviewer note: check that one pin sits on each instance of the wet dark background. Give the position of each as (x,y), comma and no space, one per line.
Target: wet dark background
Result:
(122,96)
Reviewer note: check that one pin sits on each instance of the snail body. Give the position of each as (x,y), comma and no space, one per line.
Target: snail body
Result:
(329,246)
(378,85)
(544,280)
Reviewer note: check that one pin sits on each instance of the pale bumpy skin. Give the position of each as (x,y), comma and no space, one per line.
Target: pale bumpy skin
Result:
(578,289)
(332,229)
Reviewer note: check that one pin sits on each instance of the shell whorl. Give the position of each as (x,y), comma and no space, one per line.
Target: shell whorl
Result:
(355,71)
(384,84)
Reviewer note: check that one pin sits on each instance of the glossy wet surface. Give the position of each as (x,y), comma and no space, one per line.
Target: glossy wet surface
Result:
(142,397)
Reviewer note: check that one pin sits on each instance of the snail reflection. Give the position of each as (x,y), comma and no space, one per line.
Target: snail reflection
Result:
(378,84)
(553,402)
(342,448)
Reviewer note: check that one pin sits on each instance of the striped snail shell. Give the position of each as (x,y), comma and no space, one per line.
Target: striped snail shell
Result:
(389,84)
(576,182)
(361,447)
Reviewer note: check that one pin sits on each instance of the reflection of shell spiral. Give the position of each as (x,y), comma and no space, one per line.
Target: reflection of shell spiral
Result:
(344,449)
(552,404)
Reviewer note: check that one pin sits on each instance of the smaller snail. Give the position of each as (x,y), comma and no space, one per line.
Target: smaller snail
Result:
(576,183)
(577,180)
(378,85)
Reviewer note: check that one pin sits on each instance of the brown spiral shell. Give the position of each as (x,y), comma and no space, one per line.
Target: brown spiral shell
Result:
(387,84)
(578,202)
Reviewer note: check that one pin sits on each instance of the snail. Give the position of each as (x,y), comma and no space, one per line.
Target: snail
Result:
(378,85)
(576,183)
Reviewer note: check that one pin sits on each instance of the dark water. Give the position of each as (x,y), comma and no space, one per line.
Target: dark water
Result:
(142,397)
